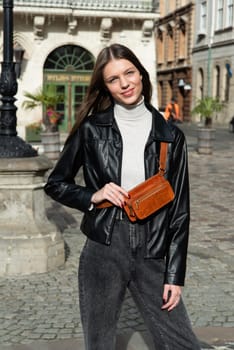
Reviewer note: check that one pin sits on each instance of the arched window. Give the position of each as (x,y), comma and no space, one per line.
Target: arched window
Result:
(69,58)
(170,42)
(200,84)
(169,91)
(69,68)
(182,39)
(160,94)
(217,82)
(228,75)
(160,46)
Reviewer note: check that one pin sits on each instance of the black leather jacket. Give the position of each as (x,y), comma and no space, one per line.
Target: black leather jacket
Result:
(97,148)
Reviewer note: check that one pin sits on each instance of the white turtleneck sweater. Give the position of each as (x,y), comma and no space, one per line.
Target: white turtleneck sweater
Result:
(134,123)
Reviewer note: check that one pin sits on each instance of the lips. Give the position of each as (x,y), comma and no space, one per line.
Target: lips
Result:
(128,93)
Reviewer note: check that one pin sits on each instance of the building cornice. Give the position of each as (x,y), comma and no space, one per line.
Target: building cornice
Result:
(84,13)
(213,46)
(171,70)
(172,15)
(91,5)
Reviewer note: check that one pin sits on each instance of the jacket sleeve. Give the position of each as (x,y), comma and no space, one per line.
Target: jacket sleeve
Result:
(61,185)
(179,214)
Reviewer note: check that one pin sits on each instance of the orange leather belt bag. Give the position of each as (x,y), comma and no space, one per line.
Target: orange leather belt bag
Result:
(150,195)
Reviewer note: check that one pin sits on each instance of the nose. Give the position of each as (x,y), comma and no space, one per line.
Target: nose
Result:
(124,82)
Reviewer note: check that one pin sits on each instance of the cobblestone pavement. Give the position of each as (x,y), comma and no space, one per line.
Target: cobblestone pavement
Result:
(44,307)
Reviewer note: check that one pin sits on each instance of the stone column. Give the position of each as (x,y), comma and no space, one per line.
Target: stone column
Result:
(29,242)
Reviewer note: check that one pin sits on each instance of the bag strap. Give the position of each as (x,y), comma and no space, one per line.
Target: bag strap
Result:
(163,157)
(162,170)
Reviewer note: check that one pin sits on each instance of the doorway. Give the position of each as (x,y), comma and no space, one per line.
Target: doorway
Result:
(69,68)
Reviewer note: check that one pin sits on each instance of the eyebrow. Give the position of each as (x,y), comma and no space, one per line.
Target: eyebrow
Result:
(116,75)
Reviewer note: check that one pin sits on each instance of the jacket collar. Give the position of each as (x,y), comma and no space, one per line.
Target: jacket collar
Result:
(160,129)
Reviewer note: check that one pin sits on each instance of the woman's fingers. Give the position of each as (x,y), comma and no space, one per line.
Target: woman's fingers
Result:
(171,296)
(112,192)
(115,194)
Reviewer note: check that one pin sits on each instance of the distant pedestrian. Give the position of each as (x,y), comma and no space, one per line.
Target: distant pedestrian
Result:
(172,111)
(231,125)
(116,141)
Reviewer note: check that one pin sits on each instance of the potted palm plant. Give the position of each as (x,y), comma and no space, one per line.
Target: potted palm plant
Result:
(48,98)
(206,107)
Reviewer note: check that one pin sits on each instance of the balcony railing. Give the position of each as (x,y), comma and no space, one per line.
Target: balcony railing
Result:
(106,5)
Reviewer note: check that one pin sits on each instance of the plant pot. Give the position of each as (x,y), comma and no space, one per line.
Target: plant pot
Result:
(33,135)
(205,140)
(51,144)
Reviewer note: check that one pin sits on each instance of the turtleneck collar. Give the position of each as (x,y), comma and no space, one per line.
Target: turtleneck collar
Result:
(129,112)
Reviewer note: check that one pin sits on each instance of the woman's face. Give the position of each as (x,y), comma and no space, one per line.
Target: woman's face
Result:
(123,80)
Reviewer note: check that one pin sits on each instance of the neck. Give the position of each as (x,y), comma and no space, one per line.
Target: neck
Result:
(129,112)
(129,107)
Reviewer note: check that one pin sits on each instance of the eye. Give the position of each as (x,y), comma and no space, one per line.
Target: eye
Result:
(130,72)
(111,80)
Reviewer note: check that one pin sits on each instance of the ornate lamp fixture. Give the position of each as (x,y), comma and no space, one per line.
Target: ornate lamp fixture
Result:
(183,85)
(11,146)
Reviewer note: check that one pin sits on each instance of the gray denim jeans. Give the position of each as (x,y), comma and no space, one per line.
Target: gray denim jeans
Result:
(104,274)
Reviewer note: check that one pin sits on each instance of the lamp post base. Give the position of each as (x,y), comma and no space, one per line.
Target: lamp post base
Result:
(29,242)
(14,147)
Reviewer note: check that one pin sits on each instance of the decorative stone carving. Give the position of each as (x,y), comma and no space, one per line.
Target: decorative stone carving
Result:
(147,28)
(182,23)
(72,26)
(105,28)
(170,28)
(38,27)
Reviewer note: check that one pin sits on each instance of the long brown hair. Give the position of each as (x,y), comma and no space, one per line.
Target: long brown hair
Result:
(98,97)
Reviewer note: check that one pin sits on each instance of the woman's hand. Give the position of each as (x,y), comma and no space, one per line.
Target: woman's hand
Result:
(112,192)
(171,296)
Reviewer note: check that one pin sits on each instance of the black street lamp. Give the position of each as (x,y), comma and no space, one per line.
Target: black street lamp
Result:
(19,54)
(11,146)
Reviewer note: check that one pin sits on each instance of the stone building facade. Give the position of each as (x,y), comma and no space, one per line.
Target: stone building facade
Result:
(58,41)
(174,37)
(213,55)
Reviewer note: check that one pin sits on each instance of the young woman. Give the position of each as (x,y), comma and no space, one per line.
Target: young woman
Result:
(116,141)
